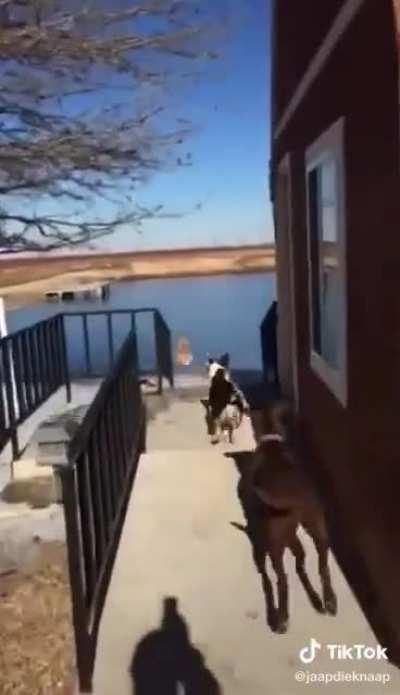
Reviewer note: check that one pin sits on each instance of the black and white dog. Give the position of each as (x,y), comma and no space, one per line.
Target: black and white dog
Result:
(226,404)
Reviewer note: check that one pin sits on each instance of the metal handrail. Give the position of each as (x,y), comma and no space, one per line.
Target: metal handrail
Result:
(268,335)
(34,363)
(96,484)
(163,366)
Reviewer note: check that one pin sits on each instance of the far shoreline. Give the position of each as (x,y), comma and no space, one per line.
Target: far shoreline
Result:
(68,273)
(201,274)
(20,296)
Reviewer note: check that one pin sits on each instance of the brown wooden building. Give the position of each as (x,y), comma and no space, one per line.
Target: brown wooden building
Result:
(335,182)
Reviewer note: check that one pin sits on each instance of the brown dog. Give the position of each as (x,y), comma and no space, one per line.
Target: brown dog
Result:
(276,489)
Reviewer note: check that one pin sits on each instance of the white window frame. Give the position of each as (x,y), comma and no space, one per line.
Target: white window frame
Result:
(331,142)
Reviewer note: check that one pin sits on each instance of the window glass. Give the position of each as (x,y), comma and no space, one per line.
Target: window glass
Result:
(324,257)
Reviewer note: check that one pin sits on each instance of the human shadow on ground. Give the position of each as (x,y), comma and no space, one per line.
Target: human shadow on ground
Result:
(254,514)
(166,663)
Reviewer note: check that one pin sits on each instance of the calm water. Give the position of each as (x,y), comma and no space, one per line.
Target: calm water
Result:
(216,314)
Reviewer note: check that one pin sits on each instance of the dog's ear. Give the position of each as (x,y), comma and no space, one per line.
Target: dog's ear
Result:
(204,402)
(224,360)
(210,359)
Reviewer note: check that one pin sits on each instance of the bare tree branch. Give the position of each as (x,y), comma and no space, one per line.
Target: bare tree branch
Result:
(37,233)
(52,58)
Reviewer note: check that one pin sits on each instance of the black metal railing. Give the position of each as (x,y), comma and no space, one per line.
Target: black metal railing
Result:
(269,344)
(36,361)
(163,350)
(96,483)
(33,365)
(100,346)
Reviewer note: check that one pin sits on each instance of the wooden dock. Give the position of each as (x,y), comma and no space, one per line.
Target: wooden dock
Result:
(95,290)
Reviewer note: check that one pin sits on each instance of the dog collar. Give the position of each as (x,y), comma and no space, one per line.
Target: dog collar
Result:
(271,438)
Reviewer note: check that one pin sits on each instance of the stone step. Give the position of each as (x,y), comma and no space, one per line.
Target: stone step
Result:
(22,529)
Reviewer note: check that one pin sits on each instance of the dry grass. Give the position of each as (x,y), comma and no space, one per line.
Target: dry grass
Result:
(36,639)
(23,276)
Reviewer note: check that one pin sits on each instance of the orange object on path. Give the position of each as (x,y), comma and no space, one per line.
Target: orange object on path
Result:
(184,355)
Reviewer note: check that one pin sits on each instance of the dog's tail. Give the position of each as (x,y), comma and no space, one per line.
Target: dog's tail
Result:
(240,527)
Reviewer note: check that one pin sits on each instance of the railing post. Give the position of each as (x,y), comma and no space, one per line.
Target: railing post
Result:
(64,359)
(12,416)
(49,356)
(54,327)
(34,363)
(169,357)
(135,342)
(87,345)
(27,370)
(84,650)
(163,351)
(3,333)
(110,339)
(44,364)
(158,338)
(268,334)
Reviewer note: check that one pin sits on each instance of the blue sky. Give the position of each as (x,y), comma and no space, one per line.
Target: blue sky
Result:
(222,199)
(229,176)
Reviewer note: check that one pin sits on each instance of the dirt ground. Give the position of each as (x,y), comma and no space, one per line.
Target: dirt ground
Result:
(36,637)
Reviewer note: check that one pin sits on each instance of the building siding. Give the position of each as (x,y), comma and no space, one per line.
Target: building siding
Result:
(300,29)
(356,450)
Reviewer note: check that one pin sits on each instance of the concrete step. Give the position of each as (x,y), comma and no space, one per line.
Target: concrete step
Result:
(178,542)
(22,529)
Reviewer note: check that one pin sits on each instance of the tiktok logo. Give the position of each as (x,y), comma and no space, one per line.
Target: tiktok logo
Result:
(308,654)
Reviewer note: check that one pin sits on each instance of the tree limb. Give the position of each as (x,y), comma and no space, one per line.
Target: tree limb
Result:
(50,57)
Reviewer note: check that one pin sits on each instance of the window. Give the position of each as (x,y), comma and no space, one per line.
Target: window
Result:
(326,248)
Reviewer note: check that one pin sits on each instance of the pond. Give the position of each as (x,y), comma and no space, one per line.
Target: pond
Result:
(216,314)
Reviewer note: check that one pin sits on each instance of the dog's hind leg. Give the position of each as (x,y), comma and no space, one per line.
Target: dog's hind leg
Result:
(282,620)
(256,536)
(329,596)
(259,555)
(215,437)
(214,431)
(315,525)
(300,556)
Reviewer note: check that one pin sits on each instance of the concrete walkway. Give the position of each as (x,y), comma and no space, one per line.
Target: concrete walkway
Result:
(178,543)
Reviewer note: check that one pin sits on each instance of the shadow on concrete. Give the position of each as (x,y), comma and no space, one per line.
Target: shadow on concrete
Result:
(254,513)
(166,663)
(259,392)
(253,517)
